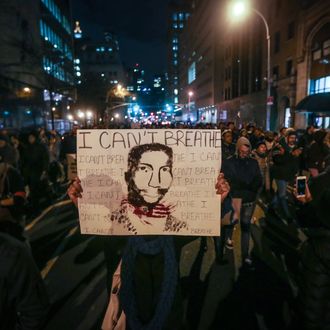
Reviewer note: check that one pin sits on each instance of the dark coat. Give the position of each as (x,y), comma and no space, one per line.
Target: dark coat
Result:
(228,150)
(285,166)
(36,159)
(23,299)
(314,295)
(244,177)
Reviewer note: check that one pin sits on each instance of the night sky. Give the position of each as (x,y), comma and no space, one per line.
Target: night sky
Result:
(141,27)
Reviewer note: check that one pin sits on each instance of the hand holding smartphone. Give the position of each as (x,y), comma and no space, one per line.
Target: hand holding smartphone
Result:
(301,186)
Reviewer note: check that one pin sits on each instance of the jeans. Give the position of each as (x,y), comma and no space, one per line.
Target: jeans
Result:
(280,197)
(247,211)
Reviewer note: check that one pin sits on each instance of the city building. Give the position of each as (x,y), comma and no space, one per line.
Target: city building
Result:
(98,71)
(223,68)
(55,27)
(36,61)
(178,16)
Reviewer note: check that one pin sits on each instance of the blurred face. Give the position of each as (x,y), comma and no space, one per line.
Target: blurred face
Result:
(291,140)
(228,138)
(32,139)
(244,151)
(261,149)
(153,176)
(283,131)
(231,126)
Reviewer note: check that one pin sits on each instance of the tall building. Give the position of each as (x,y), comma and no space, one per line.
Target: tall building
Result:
(36,65)
(57,46)
(198,63)
(178,16)
(98,69)
(224,63)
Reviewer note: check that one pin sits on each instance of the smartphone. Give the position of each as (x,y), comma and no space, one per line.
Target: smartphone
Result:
(301,186)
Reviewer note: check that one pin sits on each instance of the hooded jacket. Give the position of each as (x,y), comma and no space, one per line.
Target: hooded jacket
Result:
(243,174)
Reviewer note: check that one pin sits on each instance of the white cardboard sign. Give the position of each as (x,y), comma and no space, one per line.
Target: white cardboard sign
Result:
(149,182)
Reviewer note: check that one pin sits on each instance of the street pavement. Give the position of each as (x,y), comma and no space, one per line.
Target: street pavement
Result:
(73,268)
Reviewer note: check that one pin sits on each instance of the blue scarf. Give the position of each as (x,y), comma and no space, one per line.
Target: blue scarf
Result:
(135,245)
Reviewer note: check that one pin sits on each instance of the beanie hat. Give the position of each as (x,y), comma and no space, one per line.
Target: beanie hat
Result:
(290,131)
(243,141)
(226,131)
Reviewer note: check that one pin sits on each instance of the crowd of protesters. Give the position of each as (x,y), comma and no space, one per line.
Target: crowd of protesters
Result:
(257,164)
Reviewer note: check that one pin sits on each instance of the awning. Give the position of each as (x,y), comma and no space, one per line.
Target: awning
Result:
(315,103)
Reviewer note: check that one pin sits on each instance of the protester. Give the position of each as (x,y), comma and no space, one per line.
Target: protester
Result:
(227,146)
(7,152)
(260,154)
(12,193)
(314,276)
(244,177)
(23,298)
(35,166)
(316,153)
(155,302)
(285,167)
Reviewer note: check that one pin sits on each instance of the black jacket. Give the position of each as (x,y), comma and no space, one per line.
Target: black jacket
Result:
(244,177)
(23,300)
(314,296)
(285,166)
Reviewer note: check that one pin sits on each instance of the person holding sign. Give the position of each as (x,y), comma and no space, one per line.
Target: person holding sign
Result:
(147,288)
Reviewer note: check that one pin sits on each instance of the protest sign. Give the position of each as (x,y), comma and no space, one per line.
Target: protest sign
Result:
(149,182)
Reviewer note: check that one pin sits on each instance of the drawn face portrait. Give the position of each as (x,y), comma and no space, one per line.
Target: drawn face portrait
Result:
(153,176)
(150,174)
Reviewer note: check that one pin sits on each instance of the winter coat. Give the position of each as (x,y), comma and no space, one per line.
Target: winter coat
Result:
(228,150)
(314,281)
(36,159)
(244,177)
(23,299)
(263,162)
(317,152)
(285,166)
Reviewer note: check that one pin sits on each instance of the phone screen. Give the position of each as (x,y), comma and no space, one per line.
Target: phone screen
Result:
(301,186)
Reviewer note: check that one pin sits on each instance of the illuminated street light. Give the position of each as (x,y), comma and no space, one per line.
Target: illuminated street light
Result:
(134,98)
(53,109)
(70,117)
(239,9)
(68,107)
(81,115)
(26,89)
(117,115)
(89,114)
(190,93)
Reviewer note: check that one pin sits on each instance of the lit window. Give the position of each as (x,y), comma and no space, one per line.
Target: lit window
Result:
(321,85)
(175,25)
(175,16)
(175,62)
(176,100)
(181,16)
(175,47)
(176,91)
(192,73)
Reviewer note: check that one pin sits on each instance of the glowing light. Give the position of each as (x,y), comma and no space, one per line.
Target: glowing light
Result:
(70,117)
(89,114)
(117,115)
(190,93)
(81,115)
(53,109)
(239,9)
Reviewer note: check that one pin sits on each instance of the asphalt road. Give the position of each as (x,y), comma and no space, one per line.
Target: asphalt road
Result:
(74,272)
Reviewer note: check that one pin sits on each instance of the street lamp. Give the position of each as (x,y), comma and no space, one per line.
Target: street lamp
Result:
(240,9)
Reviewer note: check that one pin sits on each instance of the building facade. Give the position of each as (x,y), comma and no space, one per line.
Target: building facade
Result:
(98,70)
(36,61)
(224,62)
(178,16)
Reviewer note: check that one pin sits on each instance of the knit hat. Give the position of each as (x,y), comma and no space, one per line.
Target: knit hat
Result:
(290,131)
(226,131)
(243,141)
